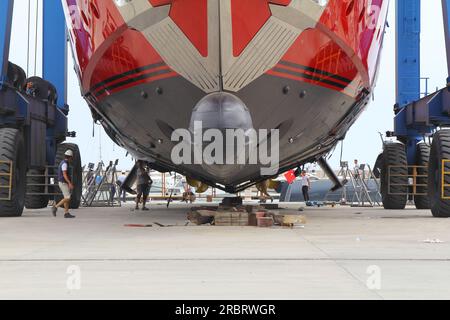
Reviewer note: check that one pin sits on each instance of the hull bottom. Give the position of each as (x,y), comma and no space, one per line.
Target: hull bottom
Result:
(311,119)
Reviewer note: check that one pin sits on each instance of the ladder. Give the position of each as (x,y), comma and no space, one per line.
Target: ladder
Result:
(100,188)
(362,196)
(89,182)
(6,183)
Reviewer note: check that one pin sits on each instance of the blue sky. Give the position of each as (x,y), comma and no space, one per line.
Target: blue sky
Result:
(362,142)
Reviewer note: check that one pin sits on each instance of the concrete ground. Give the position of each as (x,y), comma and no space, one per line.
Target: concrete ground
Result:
(341,253)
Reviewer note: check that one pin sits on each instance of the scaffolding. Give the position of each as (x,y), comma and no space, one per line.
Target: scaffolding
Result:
(361,187)
(100,188)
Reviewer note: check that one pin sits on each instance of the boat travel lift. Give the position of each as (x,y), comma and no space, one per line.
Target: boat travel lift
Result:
(417,163)
(33,118)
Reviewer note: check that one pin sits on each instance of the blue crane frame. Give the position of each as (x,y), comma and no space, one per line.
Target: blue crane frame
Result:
(415,117)
(6,11)
(54,65)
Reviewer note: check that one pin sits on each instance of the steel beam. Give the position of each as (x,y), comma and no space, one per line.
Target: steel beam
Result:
(407,127)
(54,55)
(408,51)
(6,13)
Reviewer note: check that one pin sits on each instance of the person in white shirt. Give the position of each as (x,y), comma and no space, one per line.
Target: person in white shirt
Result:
(306,185)
(65,185)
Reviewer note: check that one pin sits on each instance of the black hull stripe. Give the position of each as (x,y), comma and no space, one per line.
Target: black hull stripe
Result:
(127,74)
(317,71)
(129,81)
(310,77)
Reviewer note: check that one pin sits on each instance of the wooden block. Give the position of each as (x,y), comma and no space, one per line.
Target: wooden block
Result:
(253,218)
(294,219)
(231,219)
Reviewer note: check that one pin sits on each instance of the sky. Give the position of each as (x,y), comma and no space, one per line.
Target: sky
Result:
(362,142)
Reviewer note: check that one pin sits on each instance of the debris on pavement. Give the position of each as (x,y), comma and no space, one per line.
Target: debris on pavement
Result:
(433,241)
(246,215)
(163,225)
(138,225)
(201,217)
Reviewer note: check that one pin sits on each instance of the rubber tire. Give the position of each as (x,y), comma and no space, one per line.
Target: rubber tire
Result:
(440,150)
(45,90)
(16,76)
(423,158)
(75,200)
(378,165)
(12,148)
(36,202)
(394,154)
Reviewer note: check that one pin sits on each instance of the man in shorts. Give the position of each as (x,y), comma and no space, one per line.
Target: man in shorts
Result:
(144,183)
(65,184)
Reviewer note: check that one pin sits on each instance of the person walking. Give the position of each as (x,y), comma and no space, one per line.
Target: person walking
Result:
(65,184)
(120,181)
(144,183)
(306,185)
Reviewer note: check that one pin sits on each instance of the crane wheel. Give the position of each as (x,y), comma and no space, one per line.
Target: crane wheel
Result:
(423,157)
(394,177)
(12,173)
(16,76)
(35,182)
(438,193)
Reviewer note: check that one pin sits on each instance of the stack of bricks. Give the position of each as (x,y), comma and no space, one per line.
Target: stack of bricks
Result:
(227,219)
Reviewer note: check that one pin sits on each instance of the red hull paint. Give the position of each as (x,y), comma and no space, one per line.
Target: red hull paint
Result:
(103,53)
(192,18)
(326,61)
(342,44)
(358,29)
(248,18)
